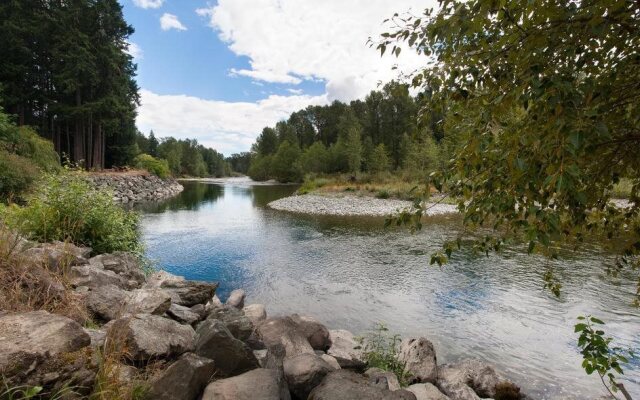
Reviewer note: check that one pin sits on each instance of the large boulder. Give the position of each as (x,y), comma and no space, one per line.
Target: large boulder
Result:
(106,303)
(28,339)
(471,379)
(284,331)
(255,312)
(345,349)
(344,384)
(426,391)
(238,324)
(231,356)
(148,337)
(124,264)
(94,276)
(316,333)
(258,384)
(57,255)
(304,372)
(236,299)
(183,380)
(183,292)
(419,358)
(110,302)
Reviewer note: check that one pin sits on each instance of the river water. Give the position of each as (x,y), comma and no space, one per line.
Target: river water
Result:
(351,273)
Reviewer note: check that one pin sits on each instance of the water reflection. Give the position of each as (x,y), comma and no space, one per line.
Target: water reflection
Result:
(350,273)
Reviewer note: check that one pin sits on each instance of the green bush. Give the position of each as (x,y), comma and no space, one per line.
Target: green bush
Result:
(66,207)
(156,166)
(260,168)
(16,174)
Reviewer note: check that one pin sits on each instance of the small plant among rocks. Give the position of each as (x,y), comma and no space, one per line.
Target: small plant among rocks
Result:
(380,349)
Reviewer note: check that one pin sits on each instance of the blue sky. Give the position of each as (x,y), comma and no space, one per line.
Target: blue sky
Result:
(219,71)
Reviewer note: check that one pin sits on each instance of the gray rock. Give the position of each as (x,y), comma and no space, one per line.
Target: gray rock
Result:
(183,380)
(148,337)
(345,349)
(261,356)
(255,312)
(344,384)
(231,356)
(27,339)
(258,384)
(106,302)
(94,276)
(238,324)
(420,360)
(201,310)
(427,391)
(236,299)
(331,361)
(110,302)
(469,379)
(183,292)
(57,255)
(316,333)
(304,372)
(284,331)
(123,264)
(183,314)
(97,336)
(384,379)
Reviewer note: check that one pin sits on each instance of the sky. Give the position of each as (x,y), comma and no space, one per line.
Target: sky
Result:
(220,71)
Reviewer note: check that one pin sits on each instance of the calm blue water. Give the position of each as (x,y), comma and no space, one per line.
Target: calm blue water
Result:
(350,273)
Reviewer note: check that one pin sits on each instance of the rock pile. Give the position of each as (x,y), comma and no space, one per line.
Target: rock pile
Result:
(135,188)
(211,350)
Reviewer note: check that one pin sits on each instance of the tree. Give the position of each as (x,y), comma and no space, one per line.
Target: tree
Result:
(379,159)
(350,133)
(545,96)
(285,166)
(267,142)
(153,144)
(315,158)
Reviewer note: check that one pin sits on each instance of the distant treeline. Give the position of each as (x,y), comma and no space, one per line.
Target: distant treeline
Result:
(381,133)
(183,157)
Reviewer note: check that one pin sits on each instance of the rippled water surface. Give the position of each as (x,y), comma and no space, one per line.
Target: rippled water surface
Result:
(350,273)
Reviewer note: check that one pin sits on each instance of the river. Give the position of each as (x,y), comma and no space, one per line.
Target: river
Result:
(351,273)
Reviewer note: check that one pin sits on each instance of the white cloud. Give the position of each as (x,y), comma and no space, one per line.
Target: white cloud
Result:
(295,91)
(228,127)
(289,40)
(135,51)
(170,21)
(148,3)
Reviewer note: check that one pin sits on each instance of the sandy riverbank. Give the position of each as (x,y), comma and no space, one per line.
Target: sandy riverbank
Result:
(349,205)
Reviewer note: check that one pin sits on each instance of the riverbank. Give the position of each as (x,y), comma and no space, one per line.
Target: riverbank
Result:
(341,204)
(135,186)
(164,337)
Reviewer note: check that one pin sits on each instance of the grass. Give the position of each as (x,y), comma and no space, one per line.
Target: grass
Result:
(380,349)
(381,185)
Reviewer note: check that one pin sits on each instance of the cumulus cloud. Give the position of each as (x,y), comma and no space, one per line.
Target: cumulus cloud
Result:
(228,127)
(170,21)
(134,50)
(148,3)
(290,40)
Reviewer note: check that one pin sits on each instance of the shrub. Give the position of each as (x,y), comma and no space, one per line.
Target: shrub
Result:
(156,166)
(66,207)
(383,194)
(16,174)
(25,142)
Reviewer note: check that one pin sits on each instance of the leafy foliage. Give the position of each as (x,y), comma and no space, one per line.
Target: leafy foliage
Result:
(380,349)
(156,166)
(597,353)
(66,207)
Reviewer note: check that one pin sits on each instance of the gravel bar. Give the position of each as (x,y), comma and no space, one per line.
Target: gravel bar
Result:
(350,206)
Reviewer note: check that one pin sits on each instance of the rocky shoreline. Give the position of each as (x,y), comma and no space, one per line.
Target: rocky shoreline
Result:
(182,343)
(136,187)
(349,205)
